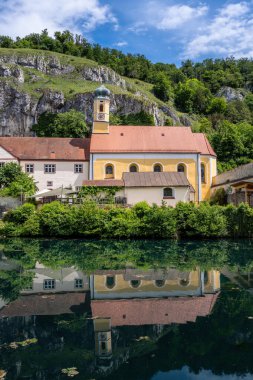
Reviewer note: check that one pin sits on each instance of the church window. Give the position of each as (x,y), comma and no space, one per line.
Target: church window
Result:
(203,173)
(158,168)
(135,283)
(159,283)
(101,107)
(184,282)
(109,171)
(181,168)
(168,192)
(110,282)
(133,168)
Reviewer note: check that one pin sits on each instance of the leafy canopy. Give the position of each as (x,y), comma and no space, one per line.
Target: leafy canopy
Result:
(67,124)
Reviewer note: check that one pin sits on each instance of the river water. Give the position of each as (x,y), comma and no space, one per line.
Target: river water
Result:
(138,310)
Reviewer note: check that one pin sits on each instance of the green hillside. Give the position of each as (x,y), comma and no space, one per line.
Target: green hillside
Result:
(214,96)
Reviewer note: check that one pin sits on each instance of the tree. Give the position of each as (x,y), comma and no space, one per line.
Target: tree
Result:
(193,96)
(67,124)
(14,182)
(162,87)
(217,105)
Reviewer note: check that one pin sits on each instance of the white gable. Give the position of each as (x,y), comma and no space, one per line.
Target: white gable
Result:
(4,155)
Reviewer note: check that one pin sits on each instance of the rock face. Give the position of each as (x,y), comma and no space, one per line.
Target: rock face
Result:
(20,109)
(230,94)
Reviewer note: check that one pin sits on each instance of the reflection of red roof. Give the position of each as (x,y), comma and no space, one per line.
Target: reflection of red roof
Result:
(162,311)
(45,304)
(47,148)
(150,139)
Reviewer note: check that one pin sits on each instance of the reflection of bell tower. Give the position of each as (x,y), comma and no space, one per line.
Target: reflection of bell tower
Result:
(101,110)
(103,340)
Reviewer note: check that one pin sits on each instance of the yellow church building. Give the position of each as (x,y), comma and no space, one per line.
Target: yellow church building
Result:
(151,163)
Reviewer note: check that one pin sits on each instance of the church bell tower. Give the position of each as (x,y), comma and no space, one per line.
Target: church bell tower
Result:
(101,110)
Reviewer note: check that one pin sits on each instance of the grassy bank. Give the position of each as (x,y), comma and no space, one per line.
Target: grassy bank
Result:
(140,221)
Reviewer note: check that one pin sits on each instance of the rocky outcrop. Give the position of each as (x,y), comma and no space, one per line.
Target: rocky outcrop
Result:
(230,94)
(20,109)
(12,71)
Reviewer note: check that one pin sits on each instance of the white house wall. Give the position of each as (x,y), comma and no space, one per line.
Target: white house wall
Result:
(6,156)
(64,175)
(64,282)
(155,195)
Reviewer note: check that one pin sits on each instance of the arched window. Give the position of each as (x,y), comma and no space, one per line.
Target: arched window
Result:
(168,192)
(159,283)
(109,171)
(203,173)
(158,168)
(133,168)
(181,168)
(184,282)
(135,283)
(110,282)
(101,107)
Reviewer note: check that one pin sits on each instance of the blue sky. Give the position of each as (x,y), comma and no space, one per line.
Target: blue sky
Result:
(163,30)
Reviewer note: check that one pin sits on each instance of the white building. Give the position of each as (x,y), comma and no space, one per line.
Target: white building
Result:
(52,162)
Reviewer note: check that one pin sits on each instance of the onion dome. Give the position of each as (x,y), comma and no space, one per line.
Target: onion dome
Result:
(102,92)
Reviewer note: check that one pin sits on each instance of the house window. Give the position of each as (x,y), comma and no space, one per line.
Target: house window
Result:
(49,183)
(109,171)
(181,168)
(29,168)
(135,283)
(110,282)
(49,168)
(168,192)
(2,164)
(78,168)
(49,284)
(78,283)
(158,168)
(203,173)
(133,168)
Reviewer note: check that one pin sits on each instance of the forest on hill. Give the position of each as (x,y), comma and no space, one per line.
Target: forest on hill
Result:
(216,93)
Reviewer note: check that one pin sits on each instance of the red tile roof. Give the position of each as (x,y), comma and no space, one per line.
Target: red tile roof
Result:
(155,179)
(203,144)
(45,304)
(150,139)
(104,182)
(135,312)
(47,148)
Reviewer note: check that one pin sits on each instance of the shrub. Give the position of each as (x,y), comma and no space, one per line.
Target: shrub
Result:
(57,219)
(20,214)
(240,220)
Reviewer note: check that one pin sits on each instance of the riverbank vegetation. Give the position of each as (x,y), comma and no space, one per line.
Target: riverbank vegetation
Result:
(89,220)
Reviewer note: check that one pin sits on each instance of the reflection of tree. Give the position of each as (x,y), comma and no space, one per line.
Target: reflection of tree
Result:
(92,255)
(12,282)
(222,343)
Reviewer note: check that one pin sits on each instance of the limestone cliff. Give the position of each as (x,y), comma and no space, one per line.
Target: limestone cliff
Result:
(32,82)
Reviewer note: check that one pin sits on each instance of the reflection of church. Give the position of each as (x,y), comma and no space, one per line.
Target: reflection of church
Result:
(116,299)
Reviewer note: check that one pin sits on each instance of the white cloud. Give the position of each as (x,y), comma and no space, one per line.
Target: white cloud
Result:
(160,16)
(228,33)
(21,17)
(175,16)
(121,43)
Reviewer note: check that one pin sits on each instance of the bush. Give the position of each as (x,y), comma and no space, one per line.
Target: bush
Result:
(240,220)
(57,219)
(20,215)
(140,221)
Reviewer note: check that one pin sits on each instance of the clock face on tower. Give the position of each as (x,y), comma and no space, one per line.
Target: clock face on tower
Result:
(101,116)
